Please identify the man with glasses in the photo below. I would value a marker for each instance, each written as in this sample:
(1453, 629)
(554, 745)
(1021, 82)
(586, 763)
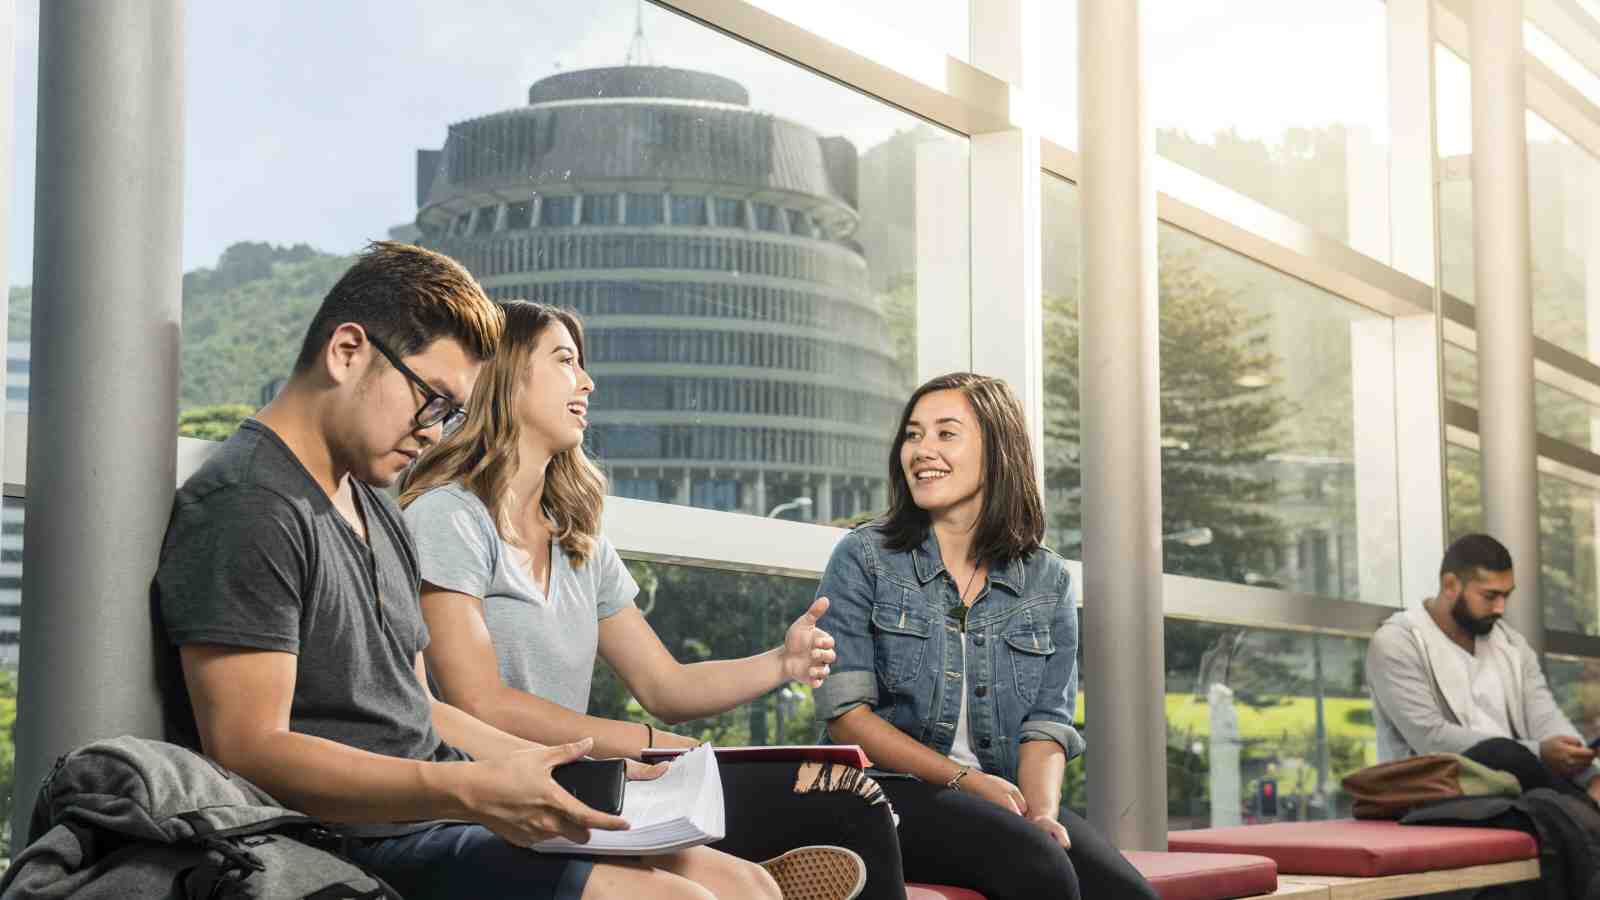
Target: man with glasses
(437, 409)
(287, 593)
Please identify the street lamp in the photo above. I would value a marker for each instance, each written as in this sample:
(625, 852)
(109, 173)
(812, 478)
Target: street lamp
(796, 503)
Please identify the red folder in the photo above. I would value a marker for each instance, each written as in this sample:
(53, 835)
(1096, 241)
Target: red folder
(843, 754)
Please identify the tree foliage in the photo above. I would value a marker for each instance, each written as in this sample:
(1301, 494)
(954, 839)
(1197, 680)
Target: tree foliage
(1216, 434)
(213, 423)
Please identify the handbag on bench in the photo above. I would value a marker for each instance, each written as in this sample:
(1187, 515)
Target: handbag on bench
(1392, 789)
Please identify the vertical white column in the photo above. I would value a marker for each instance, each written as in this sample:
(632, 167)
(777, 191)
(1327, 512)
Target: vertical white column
(108, 279)
(1007, 310)
(1121, 425)
(1366, 177)
(1419, 425)
(1506, 430)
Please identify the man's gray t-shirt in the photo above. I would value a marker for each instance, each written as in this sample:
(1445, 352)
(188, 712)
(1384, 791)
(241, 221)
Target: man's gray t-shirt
(544, 645)
(257, 556)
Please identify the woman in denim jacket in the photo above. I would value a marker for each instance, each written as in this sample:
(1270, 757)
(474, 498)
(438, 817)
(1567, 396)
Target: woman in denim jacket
(957, 639)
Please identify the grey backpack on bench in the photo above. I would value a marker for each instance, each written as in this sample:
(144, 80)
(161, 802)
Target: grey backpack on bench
(128, 818)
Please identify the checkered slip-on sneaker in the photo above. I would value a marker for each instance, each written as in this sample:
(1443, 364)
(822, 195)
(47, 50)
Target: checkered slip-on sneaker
(818, 873)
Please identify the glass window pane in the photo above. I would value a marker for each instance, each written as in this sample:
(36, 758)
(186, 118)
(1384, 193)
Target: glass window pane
(1058, 71)
(499, 162)
(1567, 570)
(1453, 123)
(1286, 103)
(557, 212)
(1263, 482)
(1248, 708)
(1465, 491)
(1562, 62)
(645, 209)
(703, 614)
(1062, 235)
(688, 209)
(1261, 472)
(730, 213)
(599, 209)
(1564, 238)
(519, 216)
(11, 523)
(1572, 681)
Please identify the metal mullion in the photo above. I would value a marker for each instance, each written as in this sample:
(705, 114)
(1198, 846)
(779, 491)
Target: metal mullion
(958, 95)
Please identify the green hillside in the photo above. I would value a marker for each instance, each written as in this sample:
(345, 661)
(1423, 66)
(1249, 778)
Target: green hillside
(243, 320)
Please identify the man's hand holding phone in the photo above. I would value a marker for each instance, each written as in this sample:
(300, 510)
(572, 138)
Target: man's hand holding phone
(1565, 754)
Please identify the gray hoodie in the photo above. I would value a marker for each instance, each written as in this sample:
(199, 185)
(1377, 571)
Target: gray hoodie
(1421, 690)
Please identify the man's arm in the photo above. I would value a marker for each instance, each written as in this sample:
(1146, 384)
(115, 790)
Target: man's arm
(460, 728)
(1402, 688)
(242, 700)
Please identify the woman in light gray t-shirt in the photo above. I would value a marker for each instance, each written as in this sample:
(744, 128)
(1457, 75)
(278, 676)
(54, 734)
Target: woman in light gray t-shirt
(545, 637)
(521, 593)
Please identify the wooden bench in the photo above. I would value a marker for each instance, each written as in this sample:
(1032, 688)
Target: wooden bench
(1371, 860)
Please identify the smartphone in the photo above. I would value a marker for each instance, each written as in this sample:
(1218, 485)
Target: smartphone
(597, 783)
(1595, 745)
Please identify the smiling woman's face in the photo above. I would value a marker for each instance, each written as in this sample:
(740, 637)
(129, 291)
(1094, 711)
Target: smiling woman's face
(553, 401)
(942, 454)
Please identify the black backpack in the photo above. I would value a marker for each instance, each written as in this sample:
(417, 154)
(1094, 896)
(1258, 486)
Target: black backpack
(129, 818)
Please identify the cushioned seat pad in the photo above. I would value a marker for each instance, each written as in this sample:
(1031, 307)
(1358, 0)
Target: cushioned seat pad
(939, 892)
(1205, 876)
(1364, 849)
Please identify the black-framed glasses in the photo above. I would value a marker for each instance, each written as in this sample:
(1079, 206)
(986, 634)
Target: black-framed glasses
(436, 407)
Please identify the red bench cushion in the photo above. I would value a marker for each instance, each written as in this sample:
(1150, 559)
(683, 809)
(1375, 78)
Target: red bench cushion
(1205, 876)
(939, 892)
(1365, 849)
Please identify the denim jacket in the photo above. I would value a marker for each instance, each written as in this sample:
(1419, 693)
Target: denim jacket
(901, 655)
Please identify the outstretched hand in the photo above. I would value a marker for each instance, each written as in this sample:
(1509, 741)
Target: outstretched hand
(807, 649)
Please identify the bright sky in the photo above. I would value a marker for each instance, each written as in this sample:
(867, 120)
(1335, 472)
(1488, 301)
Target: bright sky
(304, 115)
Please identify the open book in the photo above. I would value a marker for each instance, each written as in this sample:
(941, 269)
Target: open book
(681, 809)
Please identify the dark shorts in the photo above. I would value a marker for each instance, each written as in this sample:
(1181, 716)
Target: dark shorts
(454, 860)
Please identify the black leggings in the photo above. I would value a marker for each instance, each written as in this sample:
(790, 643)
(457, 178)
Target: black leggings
(947, 837)
(1507, 755)
(766, 817)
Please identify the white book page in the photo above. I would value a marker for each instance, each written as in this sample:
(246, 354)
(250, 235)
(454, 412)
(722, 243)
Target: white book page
(683, 808)
(674, 795)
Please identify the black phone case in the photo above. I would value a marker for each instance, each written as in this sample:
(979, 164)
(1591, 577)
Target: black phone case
(597, 783)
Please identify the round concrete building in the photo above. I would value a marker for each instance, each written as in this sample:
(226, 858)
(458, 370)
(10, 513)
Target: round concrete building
(740, 360)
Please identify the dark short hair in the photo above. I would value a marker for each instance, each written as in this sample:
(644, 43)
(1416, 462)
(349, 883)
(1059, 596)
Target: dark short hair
(407, 297)
(1011, 523)
(1472, 554)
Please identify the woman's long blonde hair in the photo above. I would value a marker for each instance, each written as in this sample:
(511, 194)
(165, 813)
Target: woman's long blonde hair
(482, 454)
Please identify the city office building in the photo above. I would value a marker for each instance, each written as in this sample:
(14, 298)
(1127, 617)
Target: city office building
(740, 360)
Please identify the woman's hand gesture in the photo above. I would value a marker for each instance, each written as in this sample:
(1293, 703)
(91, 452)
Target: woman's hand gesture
(807, 649)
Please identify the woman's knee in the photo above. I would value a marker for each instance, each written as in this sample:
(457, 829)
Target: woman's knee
(723, 876)
(1035, 864)
(631, 881)
(752, 881)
